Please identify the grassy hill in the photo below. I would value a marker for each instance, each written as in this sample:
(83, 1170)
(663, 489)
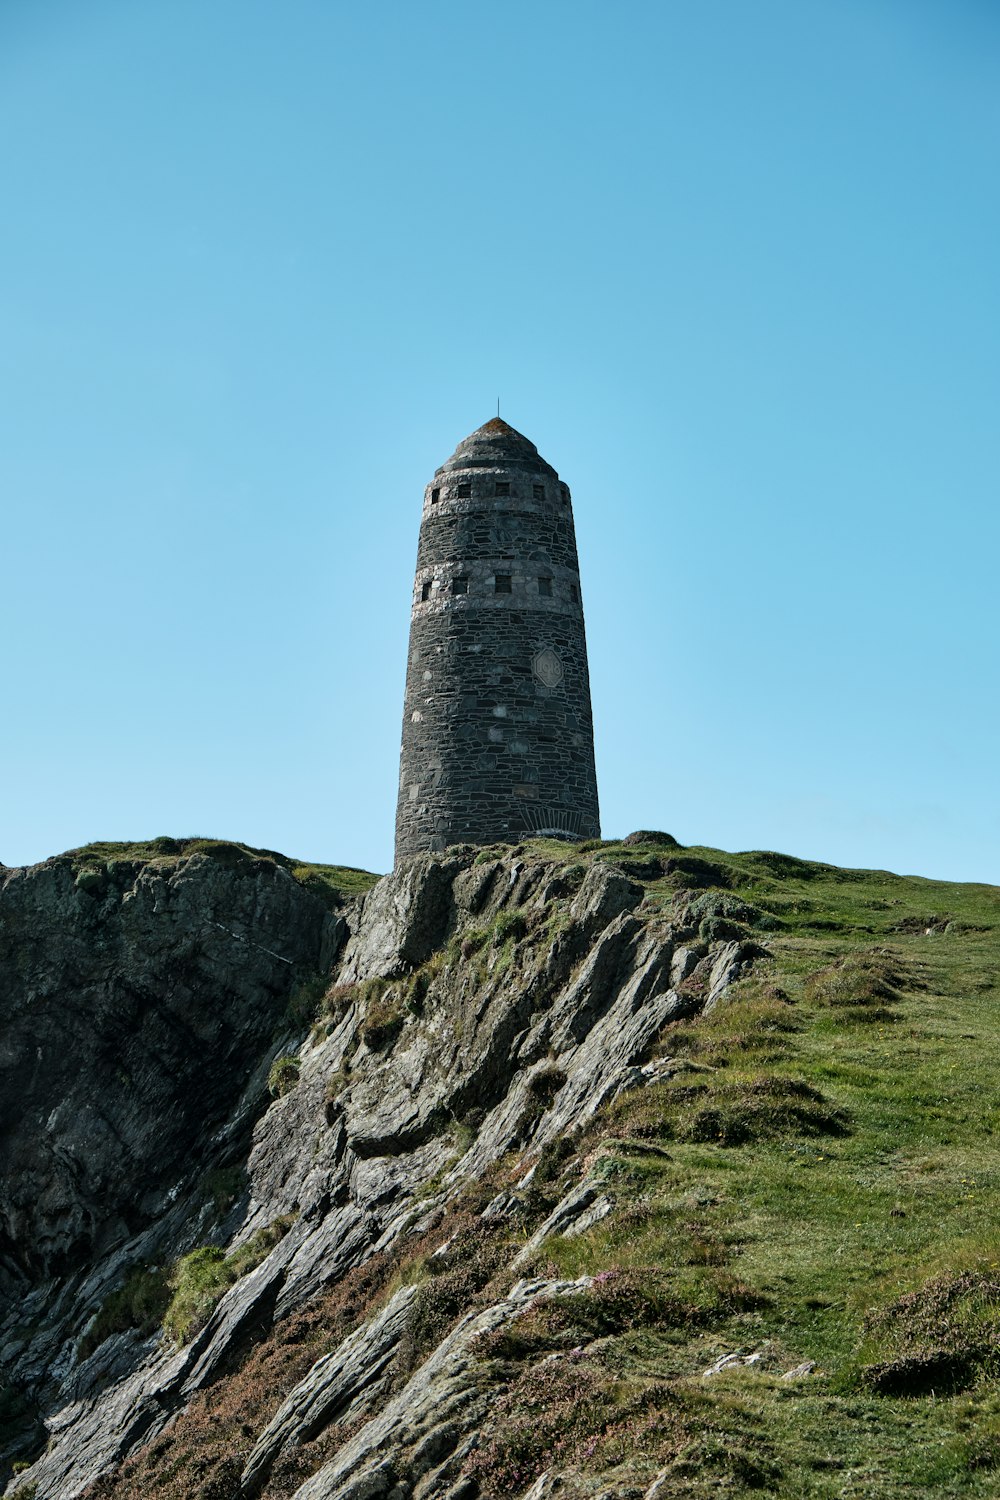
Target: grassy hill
(805, 1202)
(825, 1190)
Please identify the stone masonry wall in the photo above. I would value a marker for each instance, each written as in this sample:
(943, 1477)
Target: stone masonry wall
(497, 728)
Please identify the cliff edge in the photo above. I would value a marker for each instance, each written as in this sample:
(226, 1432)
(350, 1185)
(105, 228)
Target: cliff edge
(448, 1187)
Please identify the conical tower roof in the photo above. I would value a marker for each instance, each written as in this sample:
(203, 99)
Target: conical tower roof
(497, 445)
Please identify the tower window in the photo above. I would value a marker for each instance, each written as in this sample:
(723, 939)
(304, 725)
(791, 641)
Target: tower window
(574, 593)
(502, 487)
(464, 490)
(460, 585)
(425, 592)
(565, 495)
(545, 587)
(501, 583)
(538, 492)
(435, 496)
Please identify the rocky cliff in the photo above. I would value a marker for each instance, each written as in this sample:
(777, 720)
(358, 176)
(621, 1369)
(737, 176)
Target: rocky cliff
(472, 1011)
(619, 1170)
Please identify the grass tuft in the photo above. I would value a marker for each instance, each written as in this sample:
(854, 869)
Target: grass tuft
(385, 1013)
(283, 1075)
(939, 1338)
(140, 1303)
(199, 1280)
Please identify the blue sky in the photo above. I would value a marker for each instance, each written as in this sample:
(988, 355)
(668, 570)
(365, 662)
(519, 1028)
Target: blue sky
(732, 267)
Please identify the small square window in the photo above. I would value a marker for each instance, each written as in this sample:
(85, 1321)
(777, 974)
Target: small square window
(538, 492)
(464, 490)
(502, 487)
(435, 496)
(574, 593)
(501, 583)
(545, 587)
(425, 592)
(460, 585)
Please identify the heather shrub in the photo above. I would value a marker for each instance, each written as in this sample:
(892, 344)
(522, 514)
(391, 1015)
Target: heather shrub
(383, 1021)
(939, 1338)
(451, 1286)
(569, 1411)
(616, 1300)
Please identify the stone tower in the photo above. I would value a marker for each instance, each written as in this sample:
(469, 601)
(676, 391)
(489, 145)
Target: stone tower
(498, 741)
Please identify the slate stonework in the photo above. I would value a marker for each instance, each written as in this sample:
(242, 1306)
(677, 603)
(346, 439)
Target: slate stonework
(498, 740)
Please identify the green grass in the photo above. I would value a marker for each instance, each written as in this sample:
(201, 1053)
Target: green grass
(200, 1279)
(335, 880)
(93, 862)
(283, 1075)
(827, 1147)
(140, 1302)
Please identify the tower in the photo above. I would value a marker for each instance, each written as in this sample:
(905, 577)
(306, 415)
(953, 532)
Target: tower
(498, 741)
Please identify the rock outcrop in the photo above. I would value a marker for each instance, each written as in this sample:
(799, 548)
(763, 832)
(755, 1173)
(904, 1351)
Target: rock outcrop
(479, 1010)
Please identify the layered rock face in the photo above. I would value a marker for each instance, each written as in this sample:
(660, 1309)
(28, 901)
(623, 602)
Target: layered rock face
(478, 1012)
(135, 999)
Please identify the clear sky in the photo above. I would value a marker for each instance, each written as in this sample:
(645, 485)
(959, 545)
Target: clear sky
(735, 268)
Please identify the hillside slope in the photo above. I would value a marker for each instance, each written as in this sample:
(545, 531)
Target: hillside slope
(622, 1170)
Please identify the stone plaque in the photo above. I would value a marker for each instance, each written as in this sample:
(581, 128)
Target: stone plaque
(548, 668)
